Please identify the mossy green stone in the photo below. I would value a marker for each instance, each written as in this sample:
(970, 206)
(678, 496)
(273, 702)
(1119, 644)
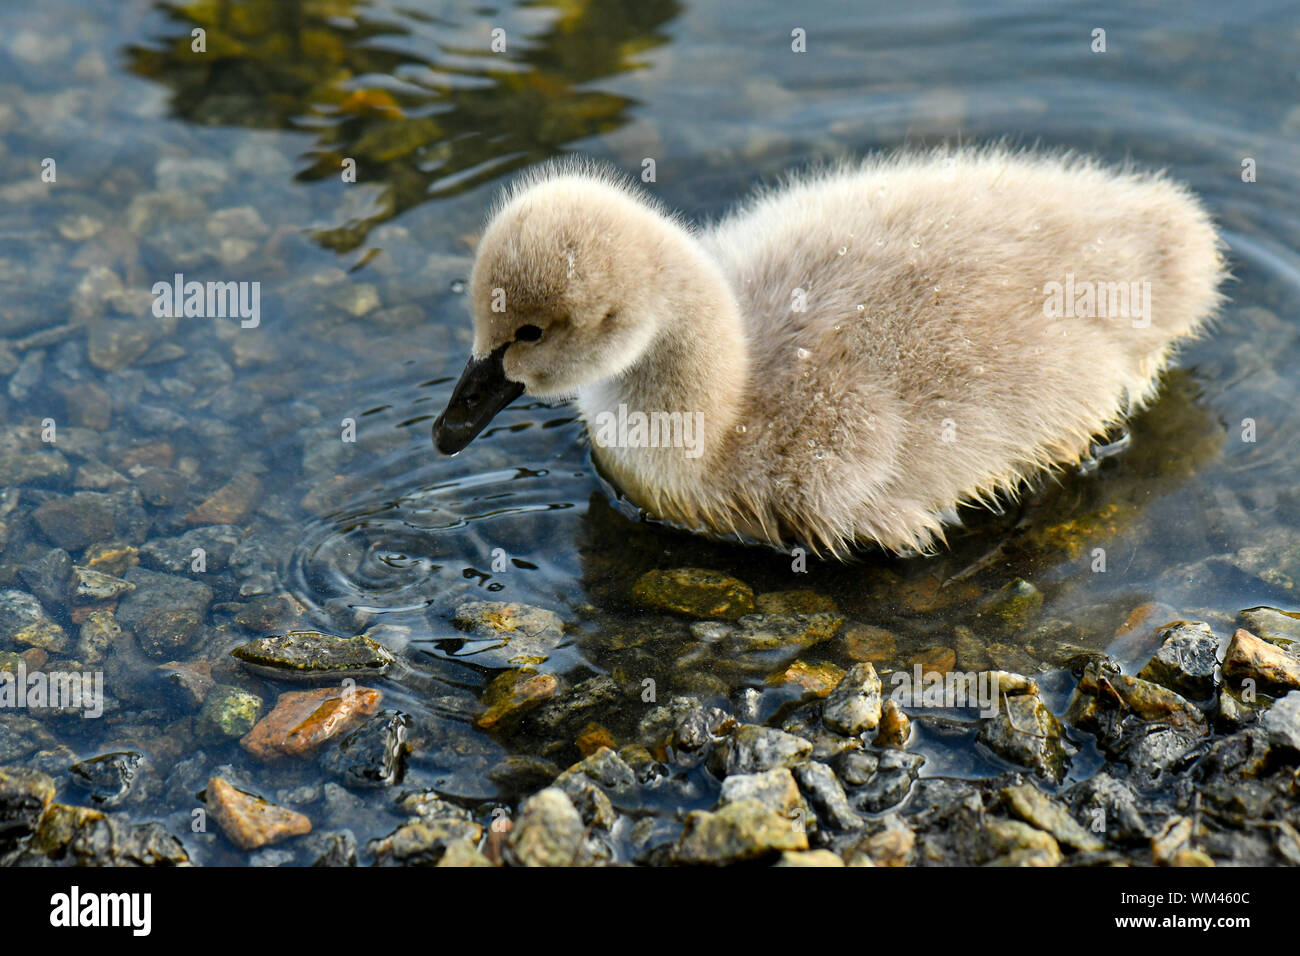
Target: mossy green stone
(1015, 605)
(696, 593)
(228, 712)
(307, 655)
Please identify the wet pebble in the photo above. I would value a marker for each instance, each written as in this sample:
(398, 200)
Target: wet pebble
(227, 712)
(809, 858)
(1038, 809)
(24, 621)
(511, 694)
(249, 821)
(696, 732)
(1109, 805)
(190, 682)
(99, 634)
(89, 585)
(775, 789)
(854, 705)
(1014, 606)
(107, 778)
(1282, 722)
(74, 521)
(745, 830)
(753, 749)
(1272, 624)
(48, 577)
(24, 796)
(338, 848)
(889, 784)
(1018, 844)
(818, 679)
(504, 634)
(303, 721)
(863, 642)
(794, 602)
(823, 790)
(895, 726)
(696, 593)
(1101, 689)
(373, 755)
(548, 832)
(1248, 657)
(229, 504)
(892, 846)
(89, 838)
(759, 634)
(210, 544)
(313, 655)
(26, 380)
(1186, 660)
(164, 611)
(1025, 732)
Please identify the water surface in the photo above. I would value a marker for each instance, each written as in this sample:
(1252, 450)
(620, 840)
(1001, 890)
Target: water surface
(225, 166)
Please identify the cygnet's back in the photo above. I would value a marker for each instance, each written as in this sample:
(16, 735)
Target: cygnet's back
(926, 330)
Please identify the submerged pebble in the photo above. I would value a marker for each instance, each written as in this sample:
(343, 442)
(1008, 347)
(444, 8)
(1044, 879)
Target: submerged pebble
(249, 821)
(312, 655)
(695, 593)
(303, 721)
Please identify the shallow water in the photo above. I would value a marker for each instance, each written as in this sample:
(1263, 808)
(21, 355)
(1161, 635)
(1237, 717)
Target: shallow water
(363, 318)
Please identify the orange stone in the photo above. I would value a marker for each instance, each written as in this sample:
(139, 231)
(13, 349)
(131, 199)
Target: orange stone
(513, 692)
(593, 737)
(35, 658)
(379, 101)
(303, 721)
(863, 642)
(818, 679)
(250, 822)
(940, 660)
(158, 454)
(231, 503)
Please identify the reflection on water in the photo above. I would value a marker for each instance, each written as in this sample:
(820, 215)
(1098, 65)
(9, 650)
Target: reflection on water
(438, 114)
(226, 165)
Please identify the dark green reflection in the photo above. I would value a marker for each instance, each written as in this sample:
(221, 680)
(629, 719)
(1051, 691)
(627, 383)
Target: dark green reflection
(423, 127)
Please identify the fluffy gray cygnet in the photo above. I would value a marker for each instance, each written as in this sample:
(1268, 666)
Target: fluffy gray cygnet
(850, 354)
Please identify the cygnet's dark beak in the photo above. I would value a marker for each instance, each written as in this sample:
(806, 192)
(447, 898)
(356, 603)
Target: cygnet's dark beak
(483, 390)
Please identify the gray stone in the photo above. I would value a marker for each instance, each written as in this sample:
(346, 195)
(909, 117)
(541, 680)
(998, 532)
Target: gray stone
(75, 521)
(820, 785)
(890, 784)
(89, 585)
(774, 788)
(164, 611)
(1025, 732)
(24, 621)
(549, 831)
(48, 577)
(1186, 659)
(753, 749)
(854, 705)
(1282, 722)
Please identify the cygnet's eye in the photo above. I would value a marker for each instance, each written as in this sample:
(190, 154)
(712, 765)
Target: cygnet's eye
(527, 333)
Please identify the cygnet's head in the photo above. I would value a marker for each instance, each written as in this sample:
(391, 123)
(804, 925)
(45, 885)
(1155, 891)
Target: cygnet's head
(563, 295)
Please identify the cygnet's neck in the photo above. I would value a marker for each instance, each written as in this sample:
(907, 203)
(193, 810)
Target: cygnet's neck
(696, 365)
